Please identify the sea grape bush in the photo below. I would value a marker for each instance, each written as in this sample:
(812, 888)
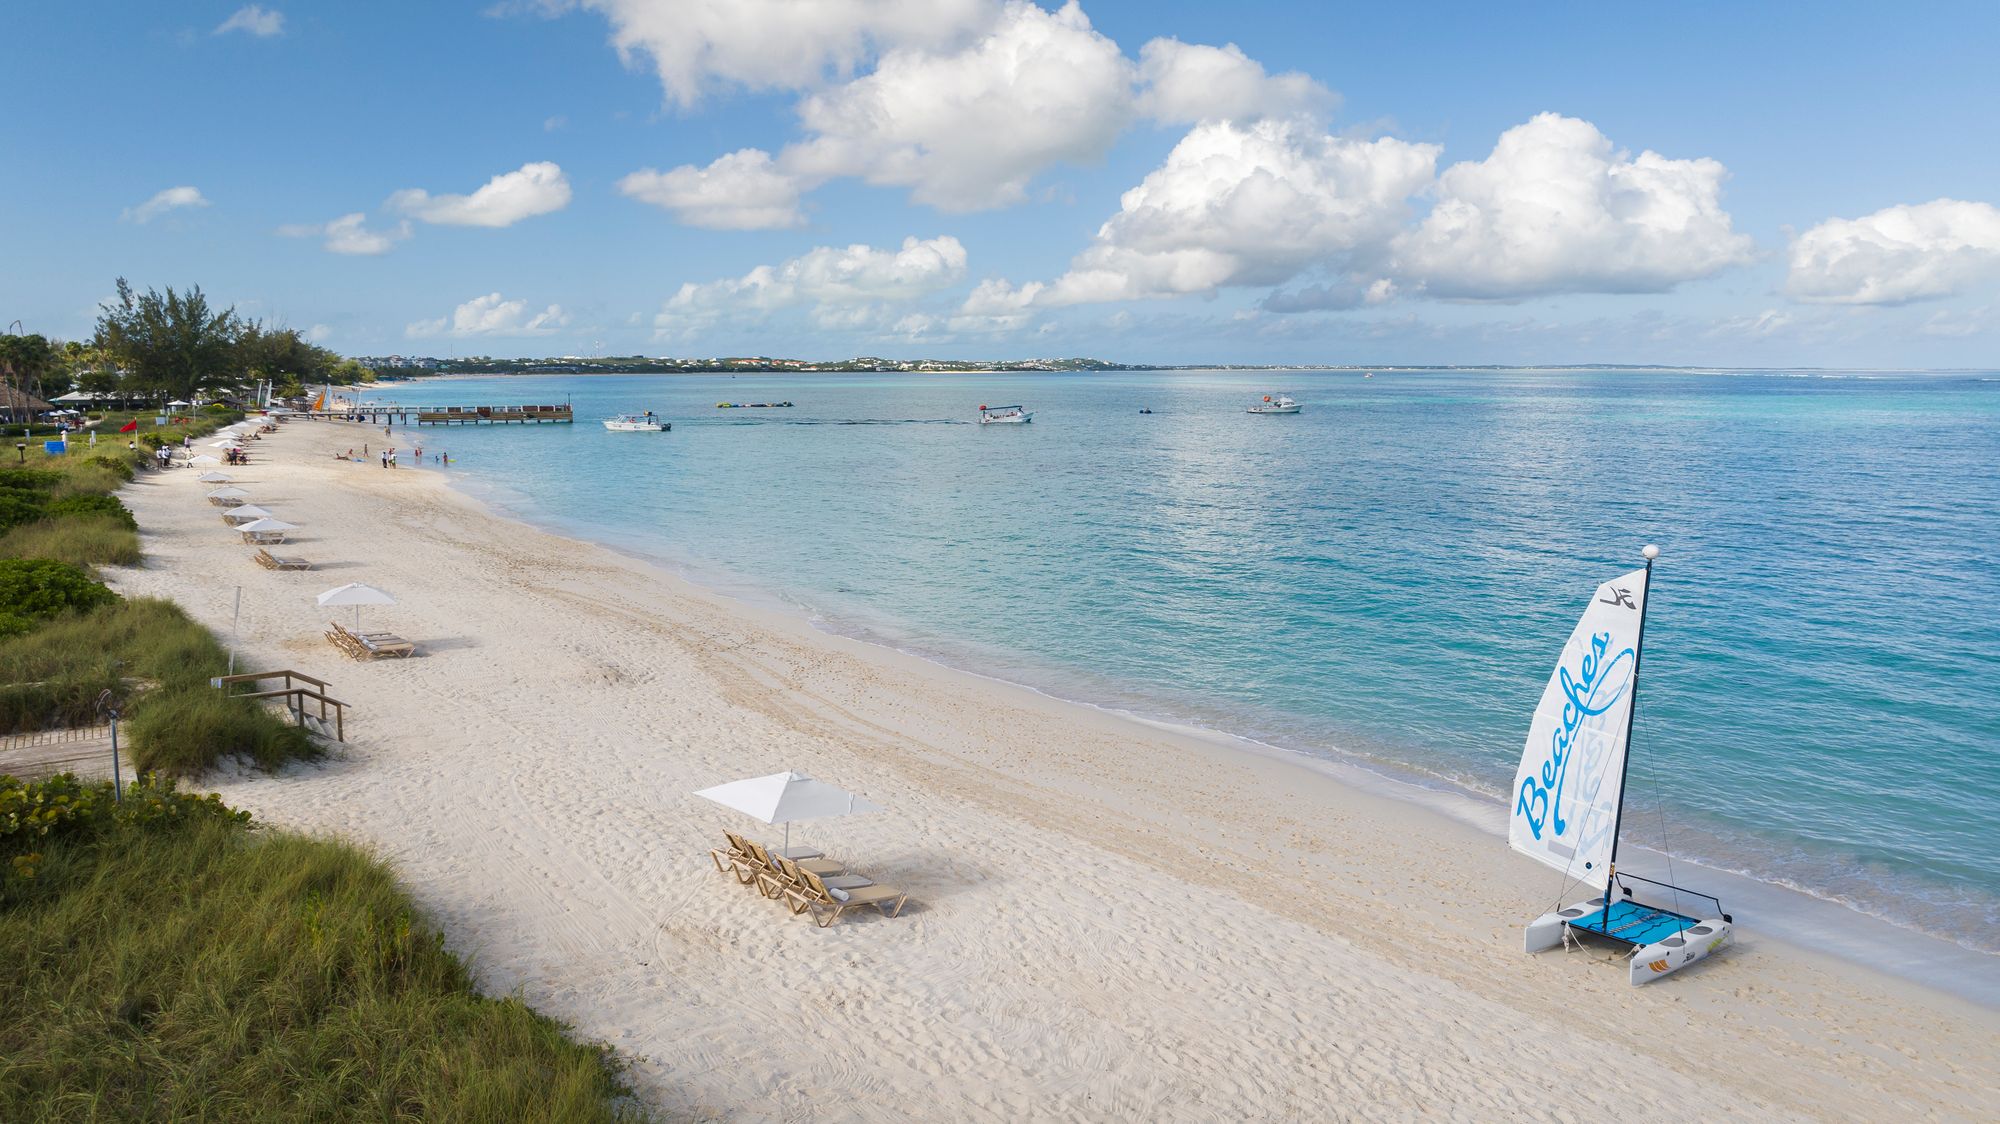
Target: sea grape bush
(34, 589)
(35, 813)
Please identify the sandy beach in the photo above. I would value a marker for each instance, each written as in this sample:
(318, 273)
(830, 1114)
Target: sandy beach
(1108, 920)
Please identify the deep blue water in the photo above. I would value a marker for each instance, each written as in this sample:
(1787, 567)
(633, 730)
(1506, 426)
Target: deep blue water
(1389, 574)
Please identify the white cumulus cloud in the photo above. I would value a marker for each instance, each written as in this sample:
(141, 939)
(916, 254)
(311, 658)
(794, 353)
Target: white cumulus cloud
(1182, 83)
(164, 201)
(1240, 204)
(253, 20)
(492, 315)
(1897, 255)
(741, 191)
(1556, 209)
(698, 45)
(533, 189)
(824, 278)
(967, 129)
(349, 234)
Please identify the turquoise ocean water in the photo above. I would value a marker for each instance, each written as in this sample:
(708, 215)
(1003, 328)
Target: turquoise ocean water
(1388, 575)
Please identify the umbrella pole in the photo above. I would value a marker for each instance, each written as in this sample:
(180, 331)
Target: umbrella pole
(788, 839)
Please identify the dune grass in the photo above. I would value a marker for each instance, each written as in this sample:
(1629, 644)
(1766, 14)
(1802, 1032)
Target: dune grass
(149, 653)
(187, 966)
(80, 540)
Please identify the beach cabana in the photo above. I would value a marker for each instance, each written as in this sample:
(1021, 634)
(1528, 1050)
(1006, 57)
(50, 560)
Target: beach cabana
(203, 461)
(244, 513)
(216, 478)
(227, 497)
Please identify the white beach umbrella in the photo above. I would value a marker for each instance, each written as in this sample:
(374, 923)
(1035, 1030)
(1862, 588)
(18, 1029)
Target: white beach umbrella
(216, 478)
(227, 493)
(178, 402)
(225, 443)
(357, 595)
(204, 459)
(266, 524)
(245, 512)
(784, 797)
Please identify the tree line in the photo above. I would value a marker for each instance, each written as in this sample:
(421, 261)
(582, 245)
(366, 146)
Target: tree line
(159, 346)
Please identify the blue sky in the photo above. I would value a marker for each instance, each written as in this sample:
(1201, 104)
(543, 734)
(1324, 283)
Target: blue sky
(1785, 185)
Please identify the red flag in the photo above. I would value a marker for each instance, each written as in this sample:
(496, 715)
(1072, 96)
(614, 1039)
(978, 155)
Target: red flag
(130, 426)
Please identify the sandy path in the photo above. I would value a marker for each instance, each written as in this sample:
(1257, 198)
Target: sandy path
(1109, 921)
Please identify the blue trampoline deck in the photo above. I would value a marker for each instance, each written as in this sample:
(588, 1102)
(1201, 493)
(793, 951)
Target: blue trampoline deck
(1633, 923)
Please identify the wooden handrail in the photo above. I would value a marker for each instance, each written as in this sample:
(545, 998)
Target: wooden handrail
(297, 696)
(257, 676)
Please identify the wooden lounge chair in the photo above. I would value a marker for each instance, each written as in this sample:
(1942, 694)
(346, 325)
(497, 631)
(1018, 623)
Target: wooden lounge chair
(827, 903)
(795, 883)
(368, 645)
(272, 562)
(737, 859)
(771, 878)
(264, 538)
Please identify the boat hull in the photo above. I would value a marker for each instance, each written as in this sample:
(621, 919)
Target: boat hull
(638, 427)
(1274, 409)
(1694, 940)
(1021, 420)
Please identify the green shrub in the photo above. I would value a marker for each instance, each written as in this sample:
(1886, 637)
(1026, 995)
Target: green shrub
(18, 507)
(118, 465)
(94, 504)
(29, 479)
(80, 540)
(167, 961)
(39, 588)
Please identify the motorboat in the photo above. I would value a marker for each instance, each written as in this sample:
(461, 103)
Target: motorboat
(1004, 415)
(647, 422)
(1276, 404)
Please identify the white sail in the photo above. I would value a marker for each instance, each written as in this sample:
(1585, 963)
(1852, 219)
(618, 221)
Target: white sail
(1567, 790)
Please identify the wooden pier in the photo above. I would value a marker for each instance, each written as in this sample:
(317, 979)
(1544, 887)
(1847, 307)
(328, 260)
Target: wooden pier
(451, 415)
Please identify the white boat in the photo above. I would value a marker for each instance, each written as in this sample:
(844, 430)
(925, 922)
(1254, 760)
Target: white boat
(1280, 404)
(1004, 415)
(1569, 796)
(647, 422)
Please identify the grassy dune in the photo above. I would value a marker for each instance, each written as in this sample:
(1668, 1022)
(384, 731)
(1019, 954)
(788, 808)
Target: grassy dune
(171, 962)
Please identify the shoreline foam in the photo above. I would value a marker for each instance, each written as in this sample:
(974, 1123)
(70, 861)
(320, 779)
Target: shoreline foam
(1112, 920)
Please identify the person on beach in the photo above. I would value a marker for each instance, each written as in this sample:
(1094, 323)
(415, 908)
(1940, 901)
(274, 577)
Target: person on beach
(392, 458)
(385, 458)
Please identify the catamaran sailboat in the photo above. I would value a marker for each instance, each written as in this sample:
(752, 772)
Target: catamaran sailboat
(638, 423)
(1282, 404)
(1004, 415)
(1569, 795)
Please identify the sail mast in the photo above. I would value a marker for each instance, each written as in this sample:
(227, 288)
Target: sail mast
(1631, 716)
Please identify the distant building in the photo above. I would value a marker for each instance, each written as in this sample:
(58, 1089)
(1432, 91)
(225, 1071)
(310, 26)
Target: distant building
(15, 402)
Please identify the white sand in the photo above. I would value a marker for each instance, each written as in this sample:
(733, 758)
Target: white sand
(1109, 921)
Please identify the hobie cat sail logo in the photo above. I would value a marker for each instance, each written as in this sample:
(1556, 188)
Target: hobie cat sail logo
(1595, 687)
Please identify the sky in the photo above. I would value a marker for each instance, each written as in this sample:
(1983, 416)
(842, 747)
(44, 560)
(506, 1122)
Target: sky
(1176, 182)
